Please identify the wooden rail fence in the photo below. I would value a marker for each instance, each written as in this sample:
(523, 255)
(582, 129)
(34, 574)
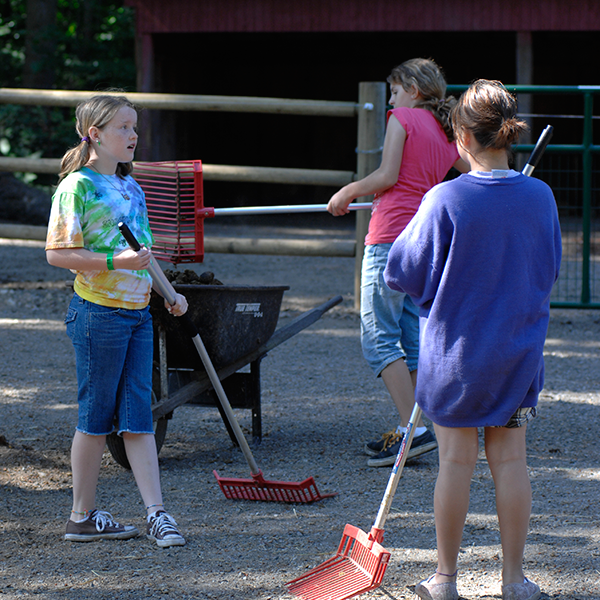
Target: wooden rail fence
(369, 111)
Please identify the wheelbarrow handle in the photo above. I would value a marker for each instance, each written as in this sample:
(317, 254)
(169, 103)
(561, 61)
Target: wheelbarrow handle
(168, 292)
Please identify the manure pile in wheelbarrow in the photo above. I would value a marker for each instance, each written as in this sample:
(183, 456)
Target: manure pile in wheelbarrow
(189, 277)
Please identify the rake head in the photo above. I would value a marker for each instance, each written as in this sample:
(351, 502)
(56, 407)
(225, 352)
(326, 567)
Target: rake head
(357, 567)
(258, 488)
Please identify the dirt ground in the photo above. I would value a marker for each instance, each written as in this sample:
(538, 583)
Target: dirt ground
(320, 403)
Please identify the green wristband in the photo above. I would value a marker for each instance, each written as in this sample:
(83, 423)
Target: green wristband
(109, 261)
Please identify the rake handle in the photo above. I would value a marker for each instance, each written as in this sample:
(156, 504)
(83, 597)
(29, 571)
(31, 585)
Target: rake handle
(209, 212)
(538, 150)
(168, 291)
(396, 473)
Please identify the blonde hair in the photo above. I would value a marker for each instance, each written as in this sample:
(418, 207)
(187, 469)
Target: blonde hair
(489, 112)
(428, 79)
(95, 112)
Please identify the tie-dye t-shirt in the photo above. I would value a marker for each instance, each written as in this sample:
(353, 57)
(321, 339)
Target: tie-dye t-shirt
(86, 210)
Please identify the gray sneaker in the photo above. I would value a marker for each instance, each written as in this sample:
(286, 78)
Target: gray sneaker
(162, 528)
(99, 525)
(420, 445)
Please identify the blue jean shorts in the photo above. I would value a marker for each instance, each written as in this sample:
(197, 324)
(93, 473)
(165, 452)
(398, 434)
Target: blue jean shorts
(389, 319)
(113, 353)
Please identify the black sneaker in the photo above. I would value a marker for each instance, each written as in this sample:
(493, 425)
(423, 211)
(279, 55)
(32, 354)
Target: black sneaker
(420, 445)
(99, 526)
(387, 439)
(162, 528)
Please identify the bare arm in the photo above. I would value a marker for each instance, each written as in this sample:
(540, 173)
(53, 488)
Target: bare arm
(381, 179)
(80, 259)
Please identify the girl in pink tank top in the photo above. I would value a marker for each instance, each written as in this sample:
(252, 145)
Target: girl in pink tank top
(418, 152)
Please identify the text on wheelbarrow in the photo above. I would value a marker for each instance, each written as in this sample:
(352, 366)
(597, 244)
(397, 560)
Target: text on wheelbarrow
(249, 308)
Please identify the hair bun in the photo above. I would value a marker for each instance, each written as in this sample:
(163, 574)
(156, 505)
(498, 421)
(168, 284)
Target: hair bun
(509, 132)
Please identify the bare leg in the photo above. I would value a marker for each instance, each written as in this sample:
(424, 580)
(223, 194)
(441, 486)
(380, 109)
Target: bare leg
(86, 457)
(400, 383)
(506, 454)
(141, 452)
(458, 450)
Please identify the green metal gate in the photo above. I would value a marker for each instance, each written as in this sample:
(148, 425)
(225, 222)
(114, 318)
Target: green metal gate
(572, 171)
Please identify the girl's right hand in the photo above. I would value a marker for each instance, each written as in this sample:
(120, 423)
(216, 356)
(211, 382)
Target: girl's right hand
(338, 204)
(131, 260)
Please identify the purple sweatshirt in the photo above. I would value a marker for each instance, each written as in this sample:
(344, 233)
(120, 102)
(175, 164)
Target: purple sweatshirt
(480, 258)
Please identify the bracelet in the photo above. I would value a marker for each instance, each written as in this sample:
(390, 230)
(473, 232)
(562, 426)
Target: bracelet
(109, 261)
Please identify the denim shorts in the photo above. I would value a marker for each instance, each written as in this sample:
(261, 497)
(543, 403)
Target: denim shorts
(389, 319)
(113, 353)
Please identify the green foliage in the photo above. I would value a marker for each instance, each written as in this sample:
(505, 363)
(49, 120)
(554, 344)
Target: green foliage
(94, 51)
(12, 42)
(96, 45)
(94, 39)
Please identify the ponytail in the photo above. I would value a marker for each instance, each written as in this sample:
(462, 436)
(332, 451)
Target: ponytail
(74, 159)
(441, 109)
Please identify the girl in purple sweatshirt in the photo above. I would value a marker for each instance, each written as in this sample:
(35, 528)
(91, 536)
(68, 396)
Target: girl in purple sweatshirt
(479, 259)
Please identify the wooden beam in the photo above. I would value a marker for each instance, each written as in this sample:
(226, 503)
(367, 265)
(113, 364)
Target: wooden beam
(323, 108)
(210, 172)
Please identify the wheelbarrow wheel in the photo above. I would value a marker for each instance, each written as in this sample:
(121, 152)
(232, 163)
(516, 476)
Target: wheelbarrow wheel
(116, 445)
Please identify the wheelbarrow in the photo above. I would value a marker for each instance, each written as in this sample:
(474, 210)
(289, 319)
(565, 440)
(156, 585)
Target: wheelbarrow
(238, 326)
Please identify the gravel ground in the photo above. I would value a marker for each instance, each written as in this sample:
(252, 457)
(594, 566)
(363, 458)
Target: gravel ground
(320, 403)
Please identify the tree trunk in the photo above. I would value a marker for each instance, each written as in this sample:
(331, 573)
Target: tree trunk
(40, 45)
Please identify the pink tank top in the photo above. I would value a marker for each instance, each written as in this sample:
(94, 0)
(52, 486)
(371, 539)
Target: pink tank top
(426, 159)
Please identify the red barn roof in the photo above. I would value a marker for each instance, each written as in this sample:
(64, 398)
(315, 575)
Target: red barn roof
(190, 16)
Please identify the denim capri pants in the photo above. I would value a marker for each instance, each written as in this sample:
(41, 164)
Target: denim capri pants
(389, 319)
(113, 353)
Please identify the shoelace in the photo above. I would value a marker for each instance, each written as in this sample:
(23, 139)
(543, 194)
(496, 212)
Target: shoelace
(102, 519)
(163, 525)
(390, 438)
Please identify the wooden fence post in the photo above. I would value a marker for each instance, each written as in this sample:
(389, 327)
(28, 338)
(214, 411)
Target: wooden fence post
(371, 133)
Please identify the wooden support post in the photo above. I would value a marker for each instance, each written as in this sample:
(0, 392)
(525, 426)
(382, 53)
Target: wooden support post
(524, 77)
(144, 55)
(371, 133)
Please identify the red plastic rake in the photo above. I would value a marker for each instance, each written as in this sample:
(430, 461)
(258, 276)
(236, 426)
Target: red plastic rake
(258, 488)
(360, 561)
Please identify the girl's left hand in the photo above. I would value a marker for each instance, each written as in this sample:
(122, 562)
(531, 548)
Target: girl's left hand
(179, 308)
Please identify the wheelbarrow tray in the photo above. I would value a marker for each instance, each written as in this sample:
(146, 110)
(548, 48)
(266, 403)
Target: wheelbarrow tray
(232, 320)
(202, 382)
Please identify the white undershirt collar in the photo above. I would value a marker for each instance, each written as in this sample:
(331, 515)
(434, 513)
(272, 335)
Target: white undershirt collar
(495, 174)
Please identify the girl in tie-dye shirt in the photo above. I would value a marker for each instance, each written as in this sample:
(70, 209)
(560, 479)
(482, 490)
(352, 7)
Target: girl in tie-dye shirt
(108, 319)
